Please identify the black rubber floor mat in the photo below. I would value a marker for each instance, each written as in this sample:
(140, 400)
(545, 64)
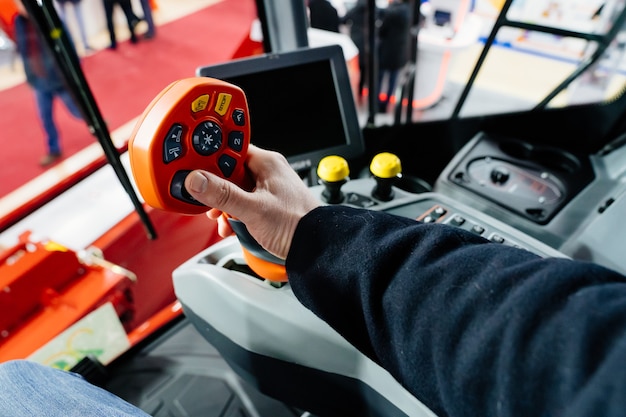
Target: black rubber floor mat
(181, 374)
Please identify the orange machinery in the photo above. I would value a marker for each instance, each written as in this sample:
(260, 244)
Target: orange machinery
(45, 288)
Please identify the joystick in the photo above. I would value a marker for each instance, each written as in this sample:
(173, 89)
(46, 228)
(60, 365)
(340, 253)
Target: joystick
(386, 168)
(333, 172)
(197, 123)
(194, 123)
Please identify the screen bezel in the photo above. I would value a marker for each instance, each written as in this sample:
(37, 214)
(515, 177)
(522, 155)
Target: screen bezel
(333, 54)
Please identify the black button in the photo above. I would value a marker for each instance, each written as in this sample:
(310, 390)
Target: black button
(500, 175)
(497, 238)
(235, 140)
(438, 212)
(173, 146)
(239, 117)
(227, 165)
(359, 200)
(479, 230)
(457, 220)
(178, 190)
(207, 138)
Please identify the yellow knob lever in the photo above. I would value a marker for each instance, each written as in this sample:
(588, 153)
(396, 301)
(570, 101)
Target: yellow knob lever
(333, 168)
(386, 168)
(386, 165)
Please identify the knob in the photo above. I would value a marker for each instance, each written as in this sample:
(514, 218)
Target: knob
(500, 175)
(386, 168)
(333, 172)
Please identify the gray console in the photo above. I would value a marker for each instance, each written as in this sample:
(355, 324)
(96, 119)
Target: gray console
(573, 204)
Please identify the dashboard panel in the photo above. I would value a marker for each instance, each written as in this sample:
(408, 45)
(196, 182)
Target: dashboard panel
(571, 203)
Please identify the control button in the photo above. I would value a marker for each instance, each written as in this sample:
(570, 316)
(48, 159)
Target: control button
(479, 230)
(222, 103)
(200, 103)
(500, 175)
(235, 140)
(207, 138)
(172, 146)
(457, 220)
(438, 212)
(497, 238)
(227, 165)
(428, 219)
(359, 200)
(239, 117)
(178, 190)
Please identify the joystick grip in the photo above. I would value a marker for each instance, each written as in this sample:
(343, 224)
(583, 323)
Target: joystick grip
(194, 123)
(258, 259)
(386, 168)
(197, 123)
(333, 172)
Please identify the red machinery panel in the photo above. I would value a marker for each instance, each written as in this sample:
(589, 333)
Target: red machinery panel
(45, 288)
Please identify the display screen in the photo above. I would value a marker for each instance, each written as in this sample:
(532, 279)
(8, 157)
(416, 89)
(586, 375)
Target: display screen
(301, 103)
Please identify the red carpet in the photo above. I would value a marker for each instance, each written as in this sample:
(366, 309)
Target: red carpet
(123, 82)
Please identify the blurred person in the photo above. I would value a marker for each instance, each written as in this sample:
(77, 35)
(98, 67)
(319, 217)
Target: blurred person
(146, 5)
(323, 15)
(356, 21)
(80, 20)
(393, 52)
(44, 78)
(131, 19)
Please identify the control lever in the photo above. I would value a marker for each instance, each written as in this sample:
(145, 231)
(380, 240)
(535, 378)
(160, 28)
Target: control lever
(386, 169)
(333, 172)
(197, 123)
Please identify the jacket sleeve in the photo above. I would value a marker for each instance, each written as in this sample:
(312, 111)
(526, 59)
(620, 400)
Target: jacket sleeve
(470, 327)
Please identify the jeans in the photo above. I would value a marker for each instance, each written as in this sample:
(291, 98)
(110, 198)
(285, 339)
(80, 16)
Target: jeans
(29, 389)
(45, 100)
(147, 15)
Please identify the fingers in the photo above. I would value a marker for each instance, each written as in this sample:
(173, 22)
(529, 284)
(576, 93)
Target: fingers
(216, 192)
(260, 161)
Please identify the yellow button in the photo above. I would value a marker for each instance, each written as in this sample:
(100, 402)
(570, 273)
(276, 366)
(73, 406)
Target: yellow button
(200, 103)
(223, 101)
(333, 168)
(386, 165)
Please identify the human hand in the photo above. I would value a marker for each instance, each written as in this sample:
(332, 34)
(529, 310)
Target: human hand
(271, 211)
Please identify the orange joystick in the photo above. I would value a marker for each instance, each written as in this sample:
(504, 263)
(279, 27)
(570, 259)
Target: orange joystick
(196, 123)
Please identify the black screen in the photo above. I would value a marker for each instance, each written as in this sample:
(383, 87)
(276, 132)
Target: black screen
(301, 103)
(294, 110)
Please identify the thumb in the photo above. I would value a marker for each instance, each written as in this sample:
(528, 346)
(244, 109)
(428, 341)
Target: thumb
(216, 192)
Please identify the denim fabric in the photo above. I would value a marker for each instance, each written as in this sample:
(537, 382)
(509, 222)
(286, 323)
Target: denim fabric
(29, 389)
(147, 15)
(45, 101)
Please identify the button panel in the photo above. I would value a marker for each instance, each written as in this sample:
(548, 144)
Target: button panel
(441, 214)
(194, 123)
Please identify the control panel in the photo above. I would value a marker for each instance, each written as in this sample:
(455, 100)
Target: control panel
(572, 203)
(378, 193)
(533, 181)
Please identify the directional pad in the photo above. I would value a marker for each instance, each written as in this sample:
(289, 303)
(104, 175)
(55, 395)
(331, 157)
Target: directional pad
(207, 138)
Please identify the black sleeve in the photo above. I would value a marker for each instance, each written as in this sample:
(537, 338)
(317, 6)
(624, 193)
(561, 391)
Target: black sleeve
(470, 327)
